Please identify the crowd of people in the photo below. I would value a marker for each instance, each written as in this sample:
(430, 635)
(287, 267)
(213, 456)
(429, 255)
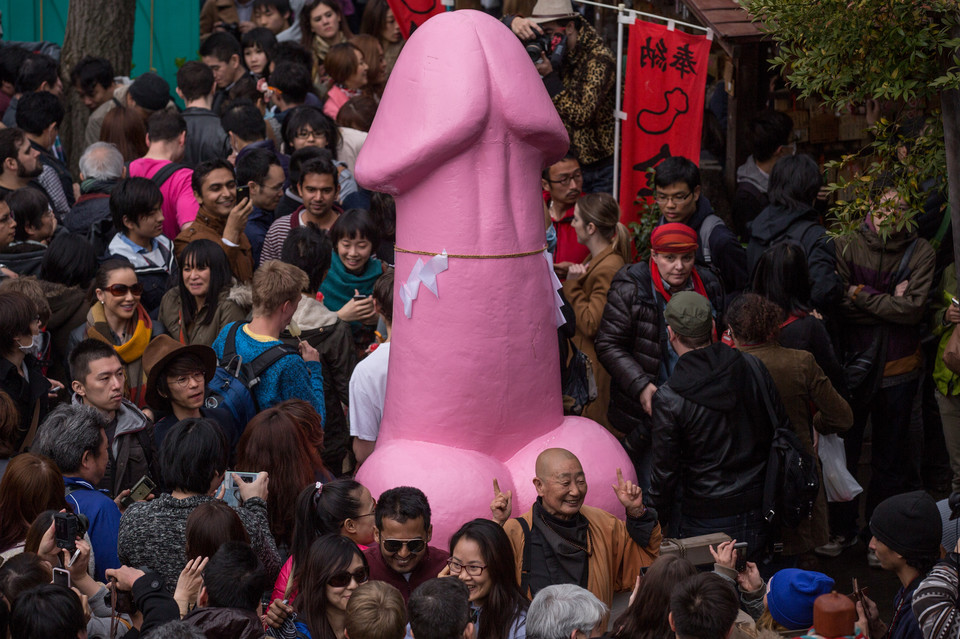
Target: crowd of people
(195, 345)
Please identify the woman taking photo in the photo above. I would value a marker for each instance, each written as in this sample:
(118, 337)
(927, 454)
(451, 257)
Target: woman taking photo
(482, 558)
(118, 319)
(322, 25)
(348, 75)
(275, 442)
(193, 459)
(21, 376)
(333, 569)
(196, 310)
(596, 220)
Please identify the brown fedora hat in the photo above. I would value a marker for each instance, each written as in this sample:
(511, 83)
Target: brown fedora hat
(160, 352)
(550, 10)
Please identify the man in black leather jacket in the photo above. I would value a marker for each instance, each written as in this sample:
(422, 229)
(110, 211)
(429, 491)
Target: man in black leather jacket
(712, 429)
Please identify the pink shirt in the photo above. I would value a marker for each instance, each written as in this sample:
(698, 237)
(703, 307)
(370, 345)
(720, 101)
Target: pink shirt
(179, 205)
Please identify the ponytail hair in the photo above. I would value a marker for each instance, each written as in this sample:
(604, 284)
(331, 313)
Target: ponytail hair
(621, 243)
(602, 210)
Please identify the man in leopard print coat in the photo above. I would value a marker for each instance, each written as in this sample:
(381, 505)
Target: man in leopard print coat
(582, 89)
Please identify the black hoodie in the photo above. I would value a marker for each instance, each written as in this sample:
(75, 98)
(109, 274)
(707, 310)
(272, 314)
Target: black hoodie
(777, 224)
(711, 427)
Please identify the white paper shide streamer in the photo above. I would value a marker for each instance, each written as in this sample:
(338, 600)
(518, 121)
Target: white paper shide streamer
(425, 273)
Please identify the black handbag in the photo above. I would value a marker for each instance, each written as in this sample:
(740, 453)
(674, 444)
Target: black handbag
(579, 382)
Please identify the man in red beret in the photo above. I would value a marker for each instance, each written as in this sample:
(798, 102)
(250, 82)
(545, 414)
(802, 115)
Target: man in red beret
(632, 342)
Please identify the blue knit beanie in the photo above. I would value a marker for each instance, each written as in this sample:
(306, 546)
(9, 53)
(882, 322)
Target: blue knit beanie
(791, 596)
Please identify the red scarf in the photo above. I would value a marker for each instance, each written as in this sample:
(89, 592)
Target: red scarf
(658, 281)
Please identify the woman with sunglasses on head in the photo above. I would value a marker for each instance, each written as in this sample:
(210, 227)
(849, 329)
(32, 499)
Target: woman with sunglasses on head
(116, 317)
(482, 558)
(204, 300)
(333, 568)
(340, 507)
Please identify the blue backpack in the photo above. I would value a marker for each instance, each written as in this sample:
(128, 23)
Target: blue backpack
(235, 380)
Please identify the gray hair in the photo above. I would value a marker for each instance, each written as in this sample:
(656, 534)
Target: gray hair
(101, 161)
(67, 433)
(558, 610)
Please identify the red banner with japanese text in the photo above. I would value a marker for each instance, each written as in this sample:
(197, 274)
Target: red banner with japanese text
(663, 100)
(410, 14)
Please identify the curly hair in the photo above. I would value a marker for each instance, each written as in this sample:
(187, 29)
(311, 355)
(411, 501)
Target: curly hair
(754, 319)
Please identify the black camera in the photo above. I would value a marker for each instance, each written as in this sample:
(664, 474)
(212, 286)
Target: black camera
(67, 527)
(544, 44)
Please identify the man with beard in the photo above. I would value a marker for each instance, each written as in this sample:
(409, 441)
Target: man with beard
(20, 161)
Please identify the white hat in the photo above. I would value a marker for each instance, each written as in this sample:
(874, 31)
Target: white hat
(550, 10)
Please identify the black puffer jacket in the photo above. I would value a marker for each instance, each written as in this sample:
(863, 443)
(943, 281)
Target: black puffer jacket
(632, 336)
(711, 427)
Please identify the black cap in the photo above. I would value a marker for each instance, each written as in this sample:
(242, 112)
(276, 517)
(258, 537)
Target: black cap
(909, 524)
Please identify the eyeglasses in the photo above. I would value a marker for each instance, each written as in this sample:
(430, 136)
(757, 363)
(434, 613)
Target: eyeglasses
(472, 570)
(413, 545)
(183, 380)
(306, 134)
(676, 197)
(567, 179)
(119, 290)
(343, 579)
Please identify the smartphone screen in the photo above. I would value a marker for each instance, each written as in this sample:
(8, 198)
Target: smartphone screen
(139, 491)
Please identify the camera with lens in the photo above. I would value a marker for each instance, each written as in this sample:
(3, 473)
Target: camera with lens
(67, 527)
(232, 28)
(544, 44)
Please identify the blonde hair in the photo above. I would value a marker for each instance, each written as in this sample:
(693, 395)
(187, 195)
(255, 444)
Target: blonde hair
(376, 611)
(274, 283)
(601, 210)
(767, 622)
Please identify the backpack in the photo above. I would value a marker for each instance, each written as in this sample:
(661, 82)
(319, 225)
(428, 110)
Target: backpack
(792, 482)
(710, 222)
(235, 380)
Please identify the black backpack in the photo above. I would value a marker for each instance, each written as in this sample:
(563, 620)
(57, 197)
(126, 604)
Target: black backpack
(793, 480)
(235, 380)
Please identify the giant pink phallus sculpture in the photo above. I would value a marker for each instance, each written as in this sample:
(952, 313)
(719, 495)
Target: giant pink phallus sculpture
(461, 135)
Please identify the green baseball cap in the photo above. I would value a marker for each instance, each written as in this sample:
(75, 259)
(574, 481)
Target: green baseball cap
(689, 314)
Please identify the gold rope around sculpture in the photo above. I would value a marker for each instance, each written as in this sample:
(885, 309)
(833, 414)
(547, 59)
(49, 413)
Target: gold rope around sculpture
(472, 257)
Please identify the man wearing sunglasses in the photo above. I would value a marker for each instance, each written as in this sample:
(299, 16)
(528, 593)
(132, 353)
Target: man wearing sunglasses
(401, 556)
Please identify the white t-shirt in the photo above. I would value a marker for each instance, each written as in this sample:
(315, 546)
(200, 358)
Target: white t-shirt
(368, 387)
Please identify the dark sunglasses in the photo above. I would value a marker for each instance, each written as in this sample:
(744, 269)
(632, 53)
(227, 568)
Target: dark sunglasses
(119, 290)
(413, 545)
(342, 579)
